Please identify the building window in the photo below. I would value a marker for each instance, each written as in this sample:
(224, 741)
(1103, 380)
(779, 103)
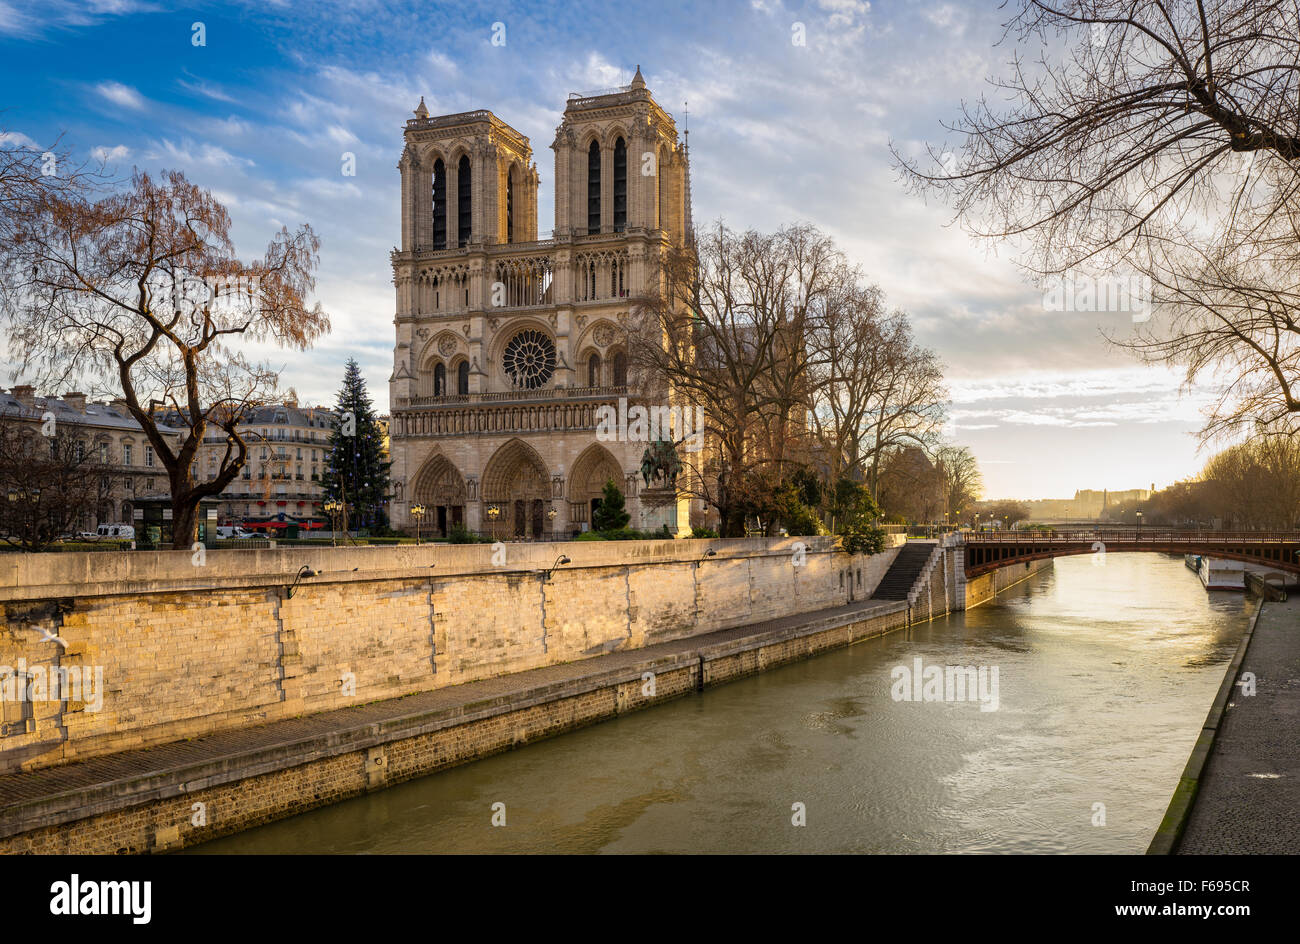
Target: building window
(439, 380)
(510, 206)
(439, 205)
(463, 219)
(148, 455)
(126, 453)
(593, 188)
(620, 186)
(620, 369)
(593, 371)
(529, 359)
(462, 378)
(103, 453)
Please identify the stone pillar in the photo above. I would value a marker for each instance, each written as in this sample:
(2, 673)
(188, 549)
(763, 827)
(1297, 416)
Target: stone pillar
(409, 168)
(486, 178)
(534, 184)
(563, 147)
(453, 203)
(477, 355)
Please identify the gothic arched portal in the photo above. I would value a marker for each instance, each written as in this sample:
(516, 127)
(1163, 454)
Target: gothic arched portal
(594, 468)
(440, 488)
(515, 483)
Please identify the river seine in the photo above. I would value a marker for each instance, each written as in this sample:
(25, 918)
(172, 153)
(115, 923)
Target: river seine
(1105, 669)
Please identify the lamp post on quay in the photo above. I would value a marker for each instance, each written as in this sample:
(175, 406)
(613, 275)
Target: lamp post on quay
(332, 508)
(417, 512)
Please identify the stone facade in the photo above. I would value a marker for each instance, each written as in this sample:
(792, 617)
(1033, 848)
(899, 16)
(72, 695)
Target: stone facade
(113, 440)
(507, 344)
(288, 451)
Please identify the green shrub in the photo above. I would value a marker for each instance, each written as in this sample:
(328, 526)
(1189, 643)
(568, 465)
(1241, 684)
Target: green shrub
(703, 533)
(610, 515)
(864, 540)
(591, 536)
(459, 535)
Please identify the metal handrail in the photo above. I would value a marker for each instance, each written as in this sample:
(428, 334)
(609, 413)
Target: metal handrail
(1132, 535)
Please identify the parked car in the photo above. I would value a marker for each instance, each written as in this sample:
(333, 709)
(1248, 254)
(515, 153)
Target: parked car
(121, 532)
(233, 533)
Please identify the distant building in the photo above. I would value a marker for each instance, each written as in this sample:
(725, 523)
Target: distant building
(288, 447)
(1086, 504)
(114, 441)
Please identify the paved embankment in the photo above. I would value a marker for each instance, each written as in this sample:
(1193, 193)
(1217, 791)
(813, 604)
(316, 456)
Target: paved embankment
(189, 791)
(1248, 796)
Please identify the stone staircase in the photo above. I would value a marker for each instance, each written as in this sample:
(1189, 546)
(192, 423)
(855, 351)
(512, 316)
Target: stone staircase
(907, 568)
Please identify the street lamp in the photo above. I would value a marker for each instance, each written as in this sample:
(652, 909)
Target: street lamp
(417, 512)
(1139, 514)
(493, 513)
(332, 508)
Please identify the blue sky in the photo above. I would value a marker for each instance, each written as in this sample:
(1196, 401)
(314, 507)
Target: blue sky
(263, 113)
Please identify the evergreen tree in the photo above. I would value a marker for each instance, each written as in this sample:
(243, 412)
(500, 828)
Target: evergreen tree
(610, 515)
(355, 469)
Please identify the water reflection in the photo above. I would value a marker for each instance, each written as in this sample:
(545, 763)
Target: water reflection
(1106, 673)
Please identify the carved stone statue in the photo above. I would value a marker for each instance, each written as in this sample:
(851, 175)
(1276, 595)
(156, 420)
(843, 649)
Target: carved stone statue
(659, 461)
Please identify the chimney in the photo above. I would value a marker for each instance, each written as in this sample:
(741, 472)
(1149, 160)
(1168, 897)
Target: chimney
(76, 400)
(26, 395)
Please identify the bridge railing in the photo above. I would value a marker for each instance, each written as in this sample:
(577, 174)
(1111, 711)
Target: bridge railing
(1131, 536)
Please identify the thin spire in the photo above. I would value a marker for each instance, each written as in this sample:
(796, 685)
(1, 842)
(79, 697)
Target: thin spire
(686, 156)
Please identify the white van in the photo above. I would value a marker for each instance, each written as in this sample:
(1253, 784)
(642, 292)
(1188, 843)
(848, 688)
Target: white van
(121, 532)
(233, 532)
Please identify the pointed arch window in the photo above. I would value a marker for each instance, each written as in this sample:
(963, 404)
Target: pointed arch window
(462, 378)
(620, 185)
(439, 204)
(440, 380)
(464, 220)
(593, 188)
(620, 370)
(510, 206)
(593, 371)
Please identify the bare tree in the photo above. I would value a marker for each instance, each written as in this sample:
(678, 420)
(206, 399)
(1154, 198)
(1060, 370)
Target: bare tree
(1008, 512)
(960, 479)
(1256, 484)
(143, 285)
(728, 332)
(47, 483)
(910, 486)
(1162, 139)
(1233, 319)
(1129, 128)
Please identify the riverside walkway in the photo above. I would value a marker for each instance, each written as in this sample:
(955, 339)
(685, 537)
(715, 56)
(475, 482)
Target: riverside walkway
(1248, 799)
(51, 804)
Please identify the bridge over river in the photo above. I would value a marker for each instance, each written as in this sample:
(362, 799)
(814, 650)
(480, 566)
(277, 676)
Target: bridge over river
(986, 551)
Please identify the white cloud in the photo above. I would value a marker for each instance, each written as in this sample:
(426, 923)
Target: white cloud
(207, 90)
(443, 63)
(947, 17)
(120, 94)
(18, 139)
(188, 154)
(108, 155)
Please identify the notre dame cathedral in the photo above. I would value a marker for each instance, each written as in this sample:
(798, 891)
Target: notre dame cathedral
(508, 345)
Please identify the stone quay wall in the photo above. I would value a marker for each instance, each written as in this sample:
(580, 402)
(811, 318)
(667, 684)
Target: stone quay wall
(186, 644)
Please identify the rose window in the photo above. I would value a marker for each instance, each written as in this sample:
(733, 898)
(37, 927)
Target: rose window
(529, 359)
